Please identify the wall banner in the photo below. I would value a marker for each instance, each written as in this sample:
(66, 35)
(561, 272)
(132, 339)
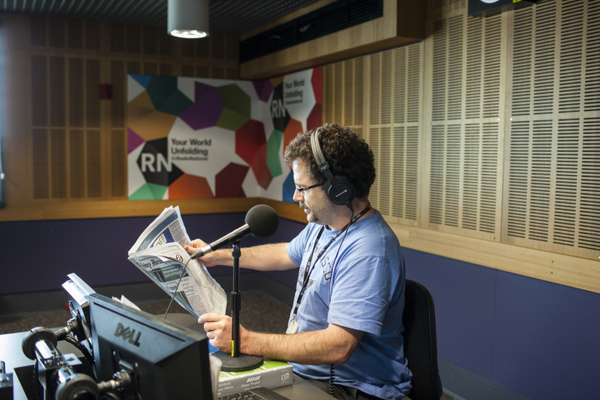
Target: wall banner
(191, 138)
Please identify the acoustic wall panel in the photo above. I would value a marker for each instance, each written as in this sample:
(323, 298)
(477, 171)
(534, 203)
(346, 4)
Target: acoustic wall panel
(41, 167)
(465, 131)
(553, 163)
(78, 133)
(76, 164)
(58, 163)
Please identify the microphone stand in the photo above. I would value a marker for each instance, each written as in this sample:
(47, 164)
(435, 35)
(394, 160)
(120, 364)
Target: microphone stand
(236, 361)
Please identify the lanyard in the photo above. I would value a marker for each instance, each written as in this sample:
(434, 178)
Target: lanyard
(308, 269)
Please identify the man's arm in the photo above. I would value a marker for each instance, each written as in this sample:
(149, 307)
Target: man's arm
(332, 345)
(267, 257)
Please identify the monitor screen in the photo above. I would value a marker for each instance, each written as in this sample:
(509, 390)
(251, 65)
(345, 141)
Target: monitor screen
(165, 361)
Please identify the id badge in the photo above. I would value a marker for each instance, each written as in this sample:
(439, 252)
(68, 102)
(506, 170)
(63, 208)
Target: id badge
(292, 326)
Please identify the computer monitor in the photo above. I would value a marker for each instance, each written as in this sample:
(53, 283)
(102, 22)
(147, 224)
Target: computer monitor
(165, 361)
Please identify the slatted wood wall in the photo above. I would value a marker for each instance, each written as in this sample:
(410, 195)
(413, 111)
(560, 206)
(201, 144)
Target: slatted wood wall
(489, 129)
(79, 140)
(71, 141)
(553, 184)
(387, 86)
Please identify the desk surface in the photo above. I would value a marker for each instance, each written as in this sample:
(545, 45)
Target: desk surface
(11, 354)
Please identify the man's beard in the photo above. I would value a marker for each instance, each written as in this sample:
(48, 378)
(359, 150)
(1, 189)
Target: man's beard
(308, 214)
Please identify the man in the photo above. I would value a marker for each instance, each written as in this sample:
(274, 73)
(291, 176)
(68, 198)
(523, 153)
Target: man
(345, 329)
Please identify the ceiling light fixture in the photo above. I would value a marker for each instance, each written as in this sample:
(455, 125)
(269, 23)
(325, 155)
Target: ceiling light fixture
(187, 19)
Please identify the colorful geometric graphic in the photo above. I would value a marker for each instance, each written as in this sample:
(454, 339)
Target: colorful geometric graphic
(202, 138)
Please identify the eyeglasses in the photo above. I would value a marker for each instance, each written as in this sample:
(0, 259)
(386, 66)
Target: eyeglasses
(301, 190)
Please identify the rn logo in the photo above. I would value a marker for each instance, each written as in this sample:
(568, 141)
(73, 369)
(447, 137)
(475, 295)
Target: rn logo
(154, 162)
(277, 108)
(129, 334)
(279, 114)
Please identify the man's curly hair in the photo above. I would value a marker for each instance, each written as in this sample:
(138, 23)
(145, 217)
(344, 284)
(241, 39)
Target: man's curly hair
(346, 153)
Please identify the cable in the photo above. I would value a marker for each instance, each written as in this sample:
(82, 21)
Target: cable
(345, 233)
(81, 348)
(330, 384)
(183, 271)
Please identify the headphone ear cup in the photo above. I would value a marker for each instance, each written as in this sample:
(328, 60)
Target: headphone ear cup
(340, 190)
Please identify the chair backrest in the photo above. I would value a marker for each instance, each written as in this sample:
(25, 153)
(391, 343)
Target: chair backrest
(420, 342)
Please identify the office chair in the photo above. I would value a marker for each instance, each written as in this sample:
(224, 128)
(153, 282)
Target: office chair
(420, 343)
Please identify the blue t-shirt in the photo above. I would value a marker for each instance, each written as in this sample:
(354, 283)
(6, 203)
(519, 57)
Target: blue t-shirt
(361, 289)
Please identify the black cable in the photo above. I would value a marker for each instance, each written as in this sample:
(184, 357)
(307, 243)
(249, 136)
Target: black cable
(84, 351)
(345, 233)
(183, 270)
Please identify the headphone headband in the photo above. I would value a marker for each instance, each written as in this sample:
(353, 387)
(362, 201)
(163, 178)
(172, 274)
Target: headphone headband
(318, 154)
(339, 189)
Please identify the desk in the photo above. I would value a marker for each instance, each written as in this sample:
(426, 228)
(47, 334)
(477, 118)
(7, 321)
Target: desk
(11, 354)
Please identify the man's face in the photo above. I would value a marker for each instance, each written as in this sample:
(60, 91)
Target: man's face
(309, 193)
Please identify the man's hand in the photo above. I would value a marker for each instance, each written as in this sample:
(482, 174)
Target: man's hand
(211, 259)
(218, 330)
(332, 345)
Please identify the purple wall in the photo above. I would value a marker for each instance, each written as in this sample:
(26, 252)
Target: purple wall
(538, 339)
(37, 255)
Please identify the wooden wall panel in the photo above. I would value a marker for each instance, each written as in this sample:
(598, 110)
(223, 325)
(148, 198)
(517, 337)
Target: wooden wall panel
(150, 68)
(37, 31)
(73, 144)
(92, 101)
(489, 119)
(58, 167)
(39, 91)
(150, 41)
(57, 90)
(75, 92)
(133, 67)
(77, 164)
(93, 164)
(92, 35)
(57, 35)
(75, 34)
(188, 70)
(202, 48)
(41, 164)
(117, 80)
(165, 69)
(133, 39)
(118, 154)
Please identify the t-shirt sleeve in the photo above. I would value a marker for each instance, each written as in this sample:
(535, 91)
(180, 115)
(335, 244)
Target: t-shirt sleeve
(297, 245)
(361, 292)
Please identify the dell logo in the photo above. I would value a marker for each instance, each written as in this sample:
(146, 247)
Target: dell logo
(127, 333)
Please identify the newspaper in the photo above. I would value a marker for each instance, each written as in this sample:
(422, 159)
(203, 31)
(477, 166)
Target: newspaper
(159, 254)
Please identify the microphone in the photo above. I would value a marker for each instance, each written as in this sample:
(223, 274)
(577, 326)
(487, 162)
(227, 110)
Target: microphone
(261, 220)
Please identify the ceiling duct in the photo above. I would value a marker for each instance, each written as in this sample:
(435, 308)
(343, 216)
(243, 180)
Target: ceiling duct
(329, 31)
(326, 20)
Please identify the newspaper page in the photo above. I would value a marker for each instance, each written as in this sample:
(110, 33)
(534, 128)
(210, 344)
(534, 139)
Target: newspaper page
(167, 227)
(160, 255)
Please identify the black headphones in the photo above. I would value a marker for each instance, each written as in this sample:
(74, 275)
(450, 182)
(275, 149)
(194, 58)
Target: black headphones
(339, 189)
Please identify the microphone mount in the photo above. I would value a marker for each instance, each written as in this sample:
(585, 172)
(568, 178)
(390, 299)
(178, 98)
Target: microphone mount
(235, 361)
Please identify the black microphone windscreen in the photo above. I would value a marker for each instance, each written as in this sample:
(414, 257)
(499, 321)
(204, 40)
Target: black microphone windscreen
(262, 220)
